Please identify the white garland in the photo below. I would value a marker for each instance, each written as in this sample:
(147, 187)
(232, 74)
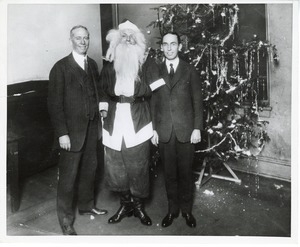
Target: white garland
(231, 29)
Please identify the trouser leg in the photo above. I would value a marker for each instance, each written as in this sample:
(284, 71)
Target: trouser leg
(137, 160)
(115, 171)
(88, 167)
(68, 168)
(128, 169)
(185, 175)
(169, 161)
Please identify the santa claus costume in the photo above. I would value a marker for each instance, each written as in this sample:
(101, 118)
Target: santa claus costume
(127, 81)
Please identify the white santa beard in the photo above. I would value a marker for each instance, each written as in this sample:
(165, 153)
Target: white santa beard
(127, 65)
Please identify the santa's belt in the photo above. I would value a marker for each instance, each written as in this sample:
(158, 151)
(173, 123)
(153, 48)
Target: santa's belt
(125, 99)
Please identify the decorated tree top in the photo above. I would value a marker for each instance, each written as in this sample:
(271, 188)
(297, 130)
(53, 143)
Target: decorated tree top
(234, 82)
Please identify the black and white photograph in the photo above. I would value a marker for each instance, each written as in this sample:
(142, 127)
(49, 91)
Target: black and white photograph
(150, 123)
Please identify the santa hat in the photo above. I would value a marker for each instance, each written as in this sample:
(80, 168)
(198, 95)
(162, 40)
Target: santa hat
(128, 25)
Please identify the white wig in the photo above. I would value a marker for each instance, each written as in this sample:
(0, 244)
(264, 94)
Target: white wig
(114, 38)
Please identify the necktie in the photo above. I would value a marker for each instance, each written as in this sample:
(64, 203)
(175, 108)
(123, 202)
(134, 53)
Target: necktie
(85, 65)
(171, 71)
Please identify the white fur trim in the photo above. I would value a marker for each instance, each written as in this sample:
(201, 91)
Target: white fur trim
(123, 128)
(103, 106)
(128, 25)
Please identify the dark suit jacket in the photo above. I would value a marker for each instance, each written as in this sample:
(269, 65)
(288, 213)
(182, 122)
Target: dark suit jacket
(178, 104)
(68, 100)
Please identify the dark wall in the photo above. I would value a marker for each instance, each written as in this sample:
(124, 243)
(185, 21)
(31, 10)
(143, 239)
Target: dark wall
(106, 14)
(252, 20)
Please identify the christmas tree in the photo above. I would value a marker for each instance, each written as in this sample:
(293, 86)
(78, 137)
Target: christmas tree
(233, 83)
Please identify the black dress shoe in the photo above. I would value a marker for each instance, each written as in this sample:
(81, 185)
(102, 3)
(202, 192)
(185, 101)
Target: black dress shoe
(93, 211)
(139, 211)
(142, 215)
(68, 230)
(123, 211)
(168, 220)
(190, 220)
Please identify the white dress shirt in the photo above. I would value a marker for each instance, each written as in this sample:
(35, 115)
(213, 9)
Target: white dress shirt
(175, 63)
(79, 59)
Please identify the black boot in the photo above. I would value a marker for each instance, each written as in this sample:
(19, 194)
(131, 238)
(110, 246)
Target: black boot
(139, 211)
(126, 209)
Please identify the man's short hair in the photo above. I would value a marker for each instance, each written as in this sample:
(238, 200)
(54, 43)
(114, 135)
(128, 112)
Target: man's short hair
(173, 33)
(76, 27)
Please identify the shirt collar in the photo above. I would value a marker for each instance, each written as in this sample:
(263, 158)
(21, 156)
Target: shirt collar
(79, 58)
(175, 63)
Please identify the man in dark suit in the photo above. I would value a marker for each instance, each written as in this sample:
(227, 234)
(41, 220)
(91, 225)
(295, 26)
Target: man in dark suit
(177, 115)
(73, 107)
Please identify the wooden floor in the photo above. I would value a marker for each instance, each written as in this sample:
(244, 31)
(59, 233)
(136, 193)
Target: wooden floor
(257, 207)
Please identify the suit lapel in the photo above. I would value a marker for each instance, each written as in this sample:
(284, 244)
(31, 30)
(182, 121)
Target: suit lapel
(165, 75)
(92, 71)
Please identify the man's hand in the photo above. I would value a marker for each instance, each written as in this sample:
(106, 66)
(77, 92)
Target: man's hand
(103, 113)
(196, 136)
(155, 138)
(64, 142)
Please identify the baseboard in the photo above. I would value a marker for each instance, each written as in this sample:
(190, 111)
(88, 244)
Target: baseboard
(264, 166)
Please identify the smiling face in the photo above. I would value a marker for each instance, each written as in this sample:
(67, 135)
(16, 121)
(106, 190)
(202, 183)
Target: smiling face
(80, 40)
(170, 46)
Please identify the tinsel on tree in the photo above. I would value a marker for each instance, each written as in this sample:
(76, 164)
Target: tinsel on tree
(234, 83)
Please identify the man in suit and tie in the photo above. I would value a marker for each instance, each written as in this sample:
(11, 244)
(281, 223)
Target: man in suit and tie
(73, 107)
(177, 116)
